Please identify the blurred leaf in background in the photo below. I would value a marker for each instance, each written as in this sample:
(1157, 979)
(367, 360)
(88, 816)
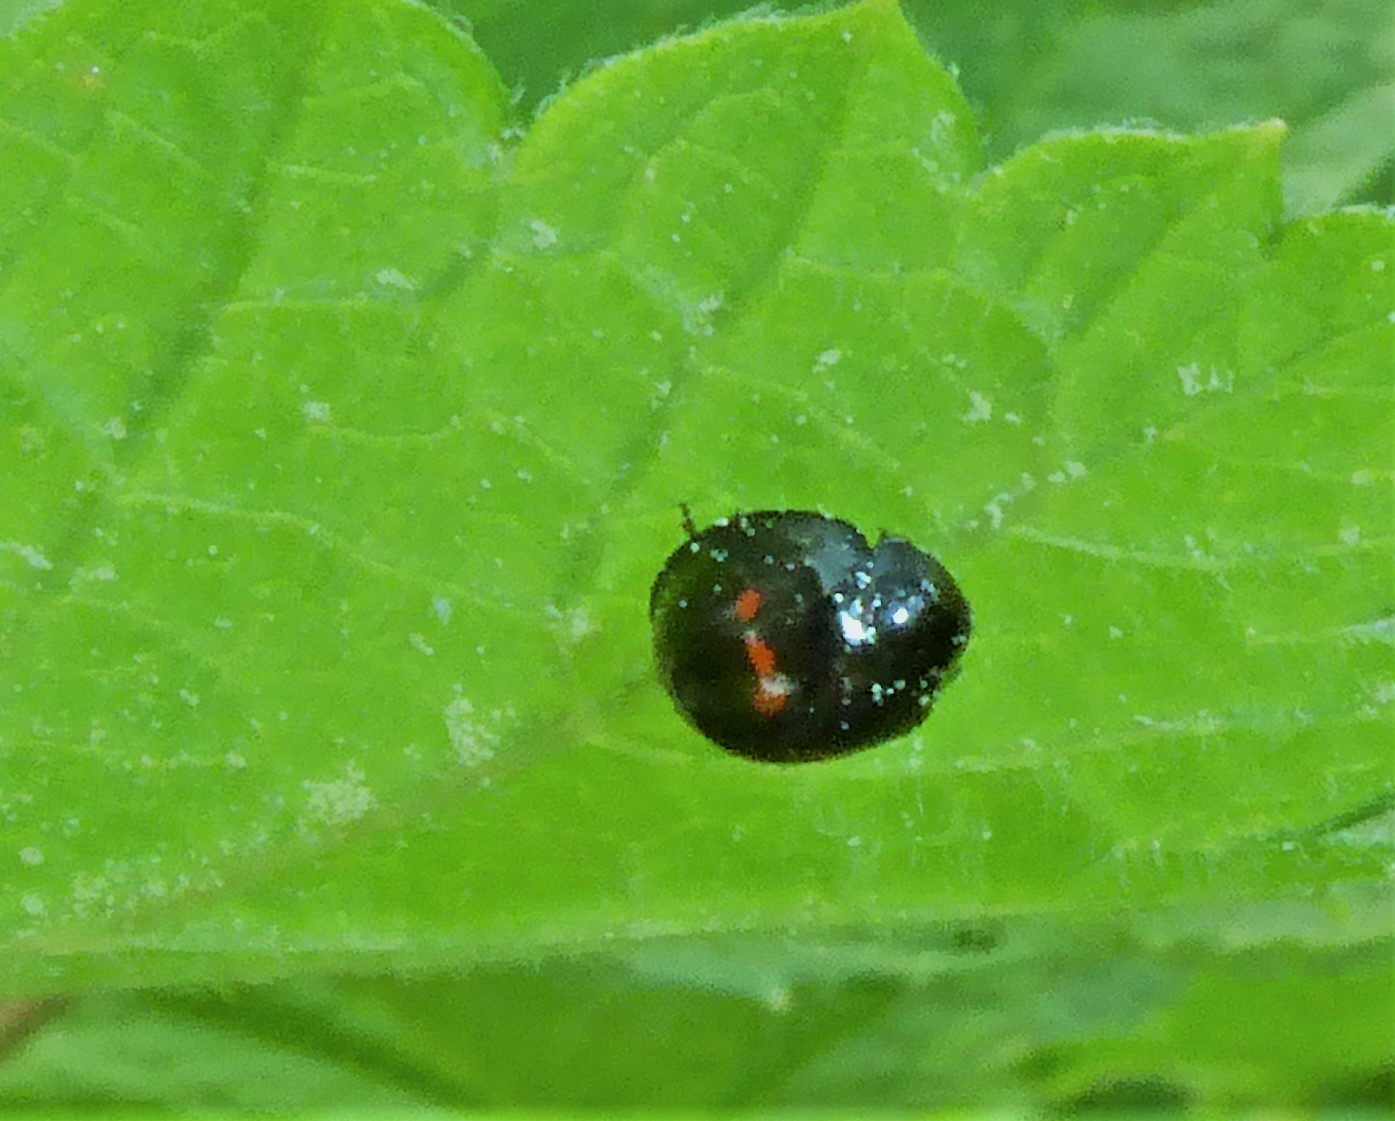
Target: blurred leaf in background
(1327, 70)
(346, 414)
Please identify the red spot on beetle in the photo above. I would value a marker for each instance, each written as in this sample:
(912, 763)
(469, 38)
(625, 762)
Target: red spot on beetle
(845, 643)
(759, 654)
(747, 605)
(772, 695)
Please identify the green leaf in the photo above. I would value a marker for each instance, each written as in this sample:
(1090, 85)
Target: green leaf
(1027, 69)
(342, 441)
(1189, 66)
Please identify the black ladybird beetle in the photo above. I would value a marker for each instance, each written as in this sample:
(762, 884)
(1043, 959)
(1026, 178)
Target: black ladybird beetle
(785, 637)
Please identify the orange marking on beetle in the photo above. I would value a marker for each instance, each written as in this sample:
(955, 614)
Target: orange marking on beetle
(771, 697)
(747, 605)
(759, 654)
(772, 694)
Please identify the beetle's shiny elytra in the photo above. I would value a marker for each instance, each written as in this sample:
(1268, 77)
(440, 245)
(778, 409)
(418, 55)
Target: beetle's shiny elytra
(785, 637)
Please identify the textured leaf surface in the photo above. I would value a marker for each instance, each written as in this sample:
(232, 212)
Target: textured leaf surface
(1032, 68)
(342, 440)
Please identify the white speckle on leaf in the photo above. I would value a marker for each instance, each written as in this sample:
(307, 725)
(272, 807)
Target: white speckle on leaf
(31, 857)
(941, 122)
(338, 801)
(88, 891)
(472, 739)
(1194, 549)
(994, 510)
(419, 644)
(1382, 693)
(102, 573)
(697, 317)
(316, 412)
(1070, 471)
(828, 358)
(1214, 381)
(1116, 633)
(576, 624)
(189, 698)
(1382, 630)
(391, 278)
(27, 553)
(33, 905)
(31, 439)
(980, 409)
(1378, 265)
(544, 236)
(115, 427)
(1349, 535)
(442, 608)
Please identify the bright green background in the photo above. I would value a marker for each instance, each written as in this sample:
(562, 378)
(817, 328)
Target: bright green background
(347, 407)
